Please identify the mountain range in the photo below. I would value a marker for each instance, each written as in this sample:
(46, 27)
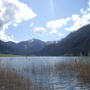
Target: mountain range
(23, 48)
(75, 44)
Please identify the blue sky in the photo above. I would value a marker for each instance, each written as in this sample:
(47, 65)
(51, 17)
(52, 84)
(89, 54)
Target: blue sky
(46, 20)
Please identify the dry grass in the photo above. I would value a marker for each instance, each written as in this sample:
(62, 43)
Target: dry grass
(83, 70)
(12, 81)
(80, 68)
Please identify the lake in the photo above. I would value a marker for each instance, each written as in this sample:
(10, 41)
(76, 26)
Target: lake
(44, 73)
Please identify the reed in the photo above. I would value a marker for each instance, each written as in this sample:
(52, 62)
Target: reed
(10, 80)
(78, 67)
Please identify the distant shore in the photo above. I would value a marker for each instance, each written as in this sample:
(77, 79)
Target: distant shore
(8, 55)
(13, 55)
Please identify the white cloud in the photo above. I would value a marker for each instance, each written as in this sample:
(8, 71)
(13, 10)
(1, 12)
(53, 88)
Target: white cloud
(82, 11)
(54, 31)
(32, 24)
(57, 23)
(79, 21)
(60, 34)
(75, 17)
(89, 2)
(13, 12)
(5, 37)
(78, 24)
(40, 29)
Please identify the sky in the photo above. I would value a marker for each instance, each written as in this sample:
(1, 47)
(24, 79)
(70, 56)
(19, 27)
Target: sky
(47, 20)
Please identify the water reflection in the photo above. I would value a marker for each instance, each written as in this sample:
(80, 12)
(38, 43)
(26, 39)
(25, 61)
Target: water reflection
(45, 73)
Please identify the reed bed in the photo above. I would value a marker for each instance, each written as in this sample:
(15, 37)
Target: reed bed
(78, 67)
(10, 80)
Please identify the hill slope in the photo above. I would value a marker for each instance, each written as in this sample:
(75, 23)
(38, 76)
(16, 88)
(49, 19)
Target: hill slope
(76, 43)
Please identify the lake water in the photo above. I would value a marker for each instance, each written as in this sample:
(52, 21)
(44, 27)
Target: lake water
(44, 74)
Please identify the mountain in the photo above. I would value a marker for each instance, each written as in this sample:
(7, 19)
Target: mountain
(22, 48)
(76, 43)
(31, 46)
